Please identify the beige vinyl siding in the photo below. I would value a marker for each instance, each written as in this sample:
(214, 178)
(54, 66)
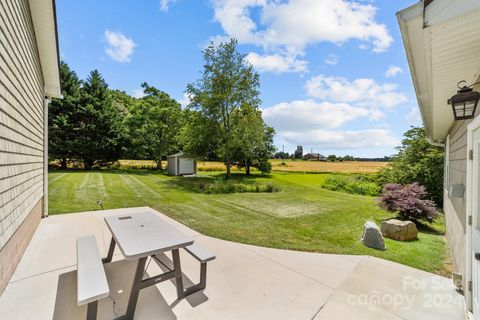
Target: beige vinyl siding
(455, 208)
(21, 118)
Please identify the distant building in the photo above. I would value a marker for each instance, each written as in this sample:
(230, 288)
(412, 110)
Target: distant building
(180, 164)
(314, 156)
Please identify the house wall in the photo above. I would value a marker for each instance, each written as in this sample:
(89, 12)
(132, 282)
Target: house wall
(21, 134)
(455, 208)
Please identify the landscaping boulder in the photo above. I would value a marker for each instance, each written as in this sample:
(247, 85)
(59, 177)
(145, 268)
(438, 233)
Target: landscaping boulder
(399, 230)
(372, 237)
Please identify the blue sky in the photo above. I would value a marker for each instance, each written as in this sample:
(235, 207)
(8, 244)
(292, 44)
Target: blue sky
(334, 76)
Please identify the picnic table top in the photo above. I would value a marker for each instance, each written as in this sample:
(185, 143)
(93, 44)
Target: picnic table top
(143, 234)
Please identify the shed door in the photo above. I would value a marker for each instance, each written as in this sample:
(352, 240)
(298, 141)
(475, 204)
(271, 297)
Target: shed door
(476, 224)
(186, 166)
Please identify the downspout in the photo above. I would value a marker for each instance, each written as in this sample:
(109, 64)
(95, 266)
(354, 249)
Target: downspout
(436, 144)
(46, 102)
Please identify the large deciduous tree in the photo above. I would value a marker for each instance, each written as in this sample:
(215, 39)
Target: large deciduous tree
(417, 161)
(253, 140)
(154, 125)
(61, 118)
(227, 83)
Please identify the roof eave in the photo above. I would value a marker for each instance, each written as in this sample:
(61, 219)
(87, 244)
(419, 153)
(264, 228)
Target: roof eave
(405, 17)
(44, 20)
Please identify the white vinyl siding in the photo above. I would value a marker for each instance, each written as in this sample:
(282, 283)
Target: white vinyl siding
(21, 118)
(455, 208)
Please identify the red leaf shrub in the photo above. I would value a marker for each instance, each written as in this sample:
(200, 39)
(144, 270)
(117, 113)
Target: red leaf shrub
(408, 200)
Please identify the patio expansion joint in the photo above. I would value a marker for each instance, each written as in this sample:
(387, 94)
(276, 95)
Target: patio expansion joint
(41, 274)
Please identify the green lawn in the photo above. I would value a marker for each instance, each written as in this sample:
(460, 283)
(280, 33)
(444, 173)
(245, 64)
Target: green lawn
(302, 216)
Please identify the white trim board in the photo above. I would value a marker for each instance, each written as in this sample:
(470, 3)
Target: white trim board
(469, 196)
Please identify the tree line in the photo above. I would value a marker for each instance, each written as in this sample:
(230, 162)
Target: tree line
(94, 126)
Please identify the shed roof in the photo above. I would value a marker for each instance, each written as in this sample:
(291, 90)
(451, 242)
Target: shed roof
(180, 154)
(442, 44)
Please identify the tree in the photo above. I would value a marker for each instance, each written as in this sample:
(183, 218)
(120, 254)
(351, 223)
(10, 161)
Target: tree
(408, 201)
(253, 140)
(61, 117)
(417, 161)
(332, 158)
(227, 83)
(99, 139)
(281, 155)
(298, 153)
(198, 136)
(154, 125)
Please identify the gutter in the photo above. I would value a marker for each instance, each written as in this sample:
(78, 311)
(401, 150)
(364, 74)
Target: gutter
(436, 144)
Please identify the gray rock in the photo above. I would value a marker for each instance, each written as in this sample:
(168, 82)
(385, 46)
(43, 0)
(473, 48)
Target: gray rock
(399, 230)
(372, 237)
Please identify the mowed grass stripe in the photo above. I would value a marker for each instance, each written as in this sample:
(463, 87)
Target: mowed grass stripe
(144, 186)
(121, 194)
(56, 177)
(88, 193)
(101, 185)
(127, 184)
(62, 194)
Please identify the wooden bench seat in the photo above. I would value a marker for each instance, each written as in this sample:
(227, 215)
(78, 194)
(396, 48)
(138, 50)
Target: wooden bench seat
(92, 282)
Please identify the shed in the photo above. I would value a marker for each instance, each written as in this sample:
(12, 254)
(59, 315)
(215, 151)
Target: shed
(180, 164)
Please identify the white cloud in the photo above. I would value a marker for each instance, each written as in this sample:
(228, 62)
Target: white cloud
(165, 4)
(413, 117)
(376, 115)
(138, 93)
(337, 139)
(119, 47)
(276, 63)
(309, 114)
(292, 25)
(362, 92)
(332, 60)
(185, 100)
(392, 71)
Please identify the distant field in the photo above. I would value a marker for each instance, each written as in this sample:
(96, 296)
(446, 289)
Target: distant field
(288, 166)
(319, 166)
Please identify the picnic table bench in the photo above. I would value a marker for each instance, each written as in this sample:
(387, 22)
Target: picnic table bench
(139, 236)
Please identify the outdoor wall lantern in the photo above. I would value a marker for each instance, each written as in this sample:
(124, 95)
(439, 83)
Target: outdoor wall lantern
(464, 103)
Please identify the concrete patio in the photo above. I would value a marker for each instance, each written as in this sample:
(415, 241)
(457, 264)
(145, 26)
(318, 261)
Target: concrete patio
(244, 282)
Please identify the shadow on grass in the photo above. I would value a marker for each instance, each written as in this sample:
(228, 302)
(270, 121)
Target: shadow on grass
(426, 227)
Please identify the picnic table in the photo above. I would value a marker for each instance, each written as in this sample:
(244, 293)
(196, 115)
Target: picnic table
(139, 236)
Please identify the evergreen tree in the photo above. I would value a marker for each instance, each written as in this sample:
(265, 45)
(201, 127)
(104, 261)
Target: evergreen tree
(298, 153)
(99, 139)
(62, 122)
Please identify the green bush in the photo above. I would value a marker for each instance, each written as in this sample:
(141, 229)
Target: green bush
(221, 186)
(359, 184)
